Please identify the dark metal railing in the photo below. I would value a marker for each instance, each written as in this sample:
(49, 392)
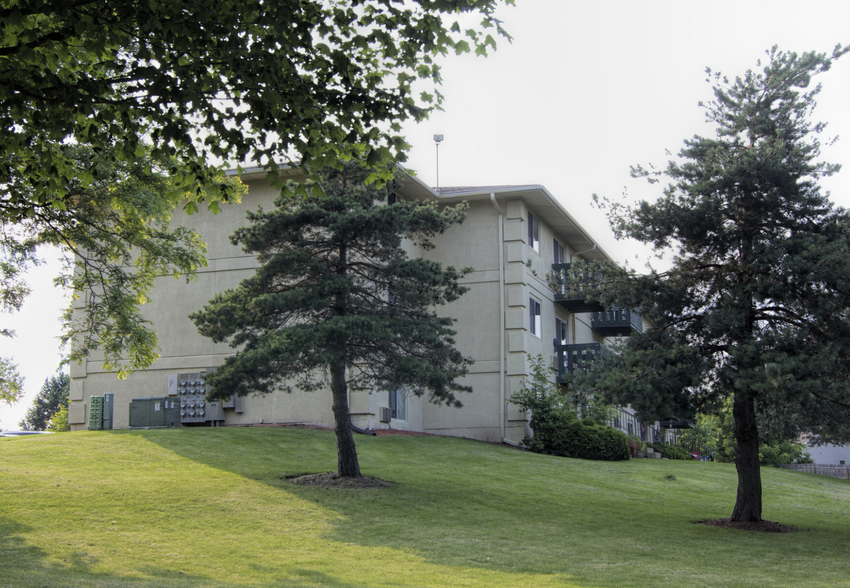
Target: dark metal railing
(631, 425)
(628, 423)
(571, 358)
(691, 445)
(573, 296)
(617, 321)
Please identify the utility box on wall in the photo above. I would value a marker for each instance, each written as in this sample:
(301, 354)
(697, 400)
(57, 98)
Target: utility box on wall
(215, 412)
(234, 402)
(108, 407)
(154, 412)
(140, 413)
(95, 413)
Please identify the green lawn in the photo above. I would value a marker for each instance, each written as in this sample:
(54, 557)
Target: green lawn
(212, 507)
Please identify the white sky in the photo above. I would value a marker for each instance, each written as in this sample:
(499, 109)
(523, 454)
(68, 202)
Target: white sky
(585, 90)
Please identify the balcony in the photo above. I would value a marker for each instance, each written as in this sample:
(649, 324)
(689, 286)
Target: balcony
(676, 424)
(574, 300)
(571, 358)
(617, 321)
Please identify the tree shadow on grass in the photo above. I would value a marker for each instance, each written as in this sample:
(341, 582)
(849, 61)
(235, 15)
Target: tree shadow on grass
(430, 508)
(24, 565)
(463, 505)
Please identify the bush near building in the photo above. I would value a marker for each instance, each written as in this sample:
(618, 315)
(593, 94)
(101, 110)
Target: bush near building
(671, 451)
(556, 428)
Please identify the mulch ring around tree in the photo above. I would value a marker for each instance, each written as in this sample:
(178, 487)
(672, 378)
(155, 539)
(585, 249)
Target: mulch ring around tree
(334, 480)
(762, 526)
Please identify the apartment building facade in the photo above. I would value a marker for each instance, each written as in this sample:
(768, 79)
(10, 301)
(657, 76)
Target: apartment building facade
(514, 237)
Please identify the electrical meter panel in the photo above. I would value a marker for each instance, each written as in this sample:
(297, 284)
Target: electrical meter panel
(192, 392)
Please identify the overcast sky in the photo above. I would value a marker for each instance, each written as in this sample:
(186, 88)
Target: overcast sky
(585, 90)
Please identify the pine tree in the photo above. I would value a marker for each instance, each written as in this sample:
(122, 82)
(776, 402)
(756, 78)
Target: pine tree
(49, 401)
(756, 306)
(336, 294)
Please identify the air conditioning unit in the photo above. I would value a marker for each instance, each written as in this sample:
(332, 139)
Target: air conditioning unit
(385, 414)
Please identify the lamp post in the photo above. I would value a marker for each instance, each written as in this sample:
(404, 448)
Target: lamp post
(437, 140)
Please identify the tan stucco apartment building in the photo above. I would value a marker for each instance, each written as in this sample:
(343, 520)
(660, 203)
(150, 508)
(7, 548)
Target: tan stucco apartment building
(512, 236)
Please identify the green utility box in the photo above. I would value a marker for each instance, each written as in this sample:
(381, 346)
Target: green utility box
(140, 412)
(146, 413)
(95, 413)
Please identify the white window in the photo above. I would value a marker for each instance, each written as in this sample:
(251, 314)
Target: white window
(560, 252)
(534, 325)
(560, 332)
(398, 404)
(533, 233)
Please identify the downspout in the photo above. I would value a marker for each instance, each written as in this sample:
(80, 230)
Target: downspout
(572, 315)
(501, 249)
(580, 252)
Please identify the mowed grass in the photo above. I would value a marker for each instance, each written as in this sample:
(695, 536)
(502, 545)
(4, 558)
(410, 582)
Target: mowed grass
(212, 507)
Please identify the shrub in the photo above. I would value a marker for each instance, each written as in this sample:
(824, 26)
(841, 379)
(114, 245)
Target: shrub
(58, 423)
(557, 429)
(672, 451)
(777, 453)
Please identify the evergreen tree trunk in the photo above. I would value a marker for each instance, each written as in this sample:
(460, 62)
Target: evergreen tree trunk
(347, 464)
(748, 502)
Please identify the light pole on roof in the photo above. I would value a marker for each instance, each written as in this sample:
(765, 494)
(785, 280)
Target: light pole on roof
(437, 140)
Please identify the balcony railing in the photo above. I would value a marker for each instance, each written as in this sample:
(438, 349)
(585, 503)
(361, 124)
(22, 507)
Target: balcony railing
(573, 297)
(571, 358)
(631, 425)
(676, 424)
(617, 321)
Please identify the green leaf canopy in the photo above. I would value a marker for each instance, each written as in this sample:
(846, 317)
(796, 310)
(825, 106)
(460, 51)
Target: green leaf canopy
(235, 80)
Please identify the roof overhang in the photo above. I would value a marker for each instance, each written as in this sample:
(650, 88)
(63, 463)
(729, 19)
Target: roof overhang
(536, 197)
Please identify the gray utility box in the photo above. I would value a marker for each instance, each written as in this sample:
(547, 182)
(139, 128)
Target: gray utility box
(215, 412)
(154, 412)
(108, 406)
(234, 402)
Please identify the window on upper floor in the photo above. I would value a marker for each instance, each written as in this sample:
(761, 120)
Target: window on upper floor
(392, 198)
(533, 233)
(560, 252)
(535, 326)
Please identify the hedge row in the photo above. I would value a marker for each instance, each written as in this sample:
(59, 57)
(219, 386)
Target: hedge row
(671, 451)
(561, 433)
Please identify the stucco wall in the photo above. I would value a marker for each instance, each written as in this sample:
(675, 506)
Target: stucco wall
(476, 244)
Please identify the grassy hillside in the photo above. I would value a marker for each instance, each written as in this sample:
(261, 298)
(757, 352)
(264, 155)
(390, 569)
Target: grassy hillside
(212, 507)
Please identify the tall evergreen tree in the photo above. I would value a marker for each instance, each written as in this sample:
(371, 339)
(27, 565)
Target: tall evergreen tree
(756, 306)
(49, 401)
(336, 293)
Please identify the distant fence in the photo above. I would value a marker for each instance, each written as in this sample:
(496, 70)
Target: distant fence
(835, 471)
